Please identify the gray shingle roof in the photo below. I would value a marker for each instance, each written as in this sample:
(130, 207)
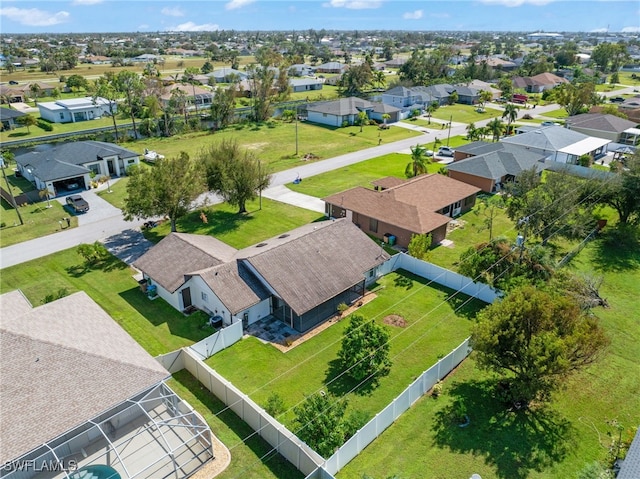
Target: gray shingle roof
(342, 107)
(323, 260)
(601, 122)
(8, 113)
(480, 147)
(50, 163)
(62, 363)
(496, 164)
(179, 254)
(550, 138)
(630, 468)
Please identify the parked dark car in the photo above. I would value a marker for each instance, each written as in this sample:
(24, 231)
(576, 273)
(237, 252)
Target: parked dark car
(13, 82)
(616, 99)
(77, 204)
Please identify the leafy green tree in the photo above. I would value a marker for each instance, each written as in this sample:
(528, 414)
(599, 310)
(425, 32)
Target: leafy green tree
(93, 253)
(490, 208)
(419, 161)
(223, 106)
(168, 189)
(355, 80)
(131, 86)
(534, 340)
(485, 97)
(320, 422)
(622, 193)
(575, 98)
(419, 246)
(27, 120)
(364, 353)
(106, 87)
(453, 98)
(505, 84)
(275, 405)
(77, 82)
(35, 90)
(262, 91)
(235, 175)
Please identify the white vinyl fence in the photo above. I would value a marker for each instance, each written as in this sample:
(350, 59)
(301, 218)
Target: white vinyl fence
(305, 459)
(218, 341)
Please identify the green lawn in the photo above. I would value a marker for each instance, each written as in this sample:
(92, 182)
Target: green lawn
(38, 221)
(250, 457)
(605, 87)
(275, 142)
(155, 325)
(433, 329)
(464, 113)
(555, 442)
(559, 113)
(363, 173)
(243, 230)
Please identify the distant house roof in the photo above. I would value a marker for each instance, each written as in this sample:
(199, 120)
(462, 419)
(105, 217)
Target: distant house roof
(304, 81)
(410, 205)
(496, 164)
(550, 138)
(180, 254)
(9, 114)
(342, 107)
(50, 163)
(331, 66)
(62, 363)
(601, 122)
(73, 104)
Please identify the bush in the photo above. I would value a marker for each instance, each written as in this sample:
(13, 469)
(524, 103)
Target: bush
(342, 307)
(275, 405)
(45, 125)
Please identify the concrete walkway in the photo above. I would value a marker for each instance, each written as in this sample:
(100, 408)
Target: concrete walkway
(285, 195)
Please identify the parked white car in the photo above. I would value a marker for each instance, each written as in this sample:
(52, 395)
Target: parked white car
(445, 151)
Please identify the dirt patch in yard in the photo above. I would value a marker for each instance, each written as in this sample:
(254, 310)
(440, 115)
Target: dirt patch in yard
(395, 320)
(256, 146)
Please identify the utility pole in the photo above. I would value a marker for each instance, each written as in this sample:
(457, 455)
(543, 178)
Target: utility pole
(296, 130)
(522, 238)
(260, 180)
(13, 199)
(449, 133)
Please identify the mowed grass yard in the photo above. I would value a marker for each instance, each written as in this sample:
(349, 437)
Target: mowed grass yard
(554, 442)
(464, 113)
(274, 143)
(434, 328)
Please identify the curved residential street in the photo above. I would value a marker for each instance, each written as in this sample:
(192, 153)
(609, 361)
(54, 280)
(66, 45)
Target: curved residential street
(123, 238)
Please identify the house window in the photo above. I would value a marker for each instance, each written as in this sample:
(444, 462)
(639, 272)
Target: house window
(61, 116)
(458, 204)
(373, 225)
(95, 168)
(204, 296)
(446, 209)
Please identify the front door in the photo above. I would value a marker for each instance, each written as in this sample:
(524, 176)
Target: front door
(186, 298)
(456, 209)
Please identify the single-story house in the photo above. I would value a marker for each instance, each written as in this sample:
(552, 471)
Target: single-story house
(475, 148)
(78, 390)
(489, 171)
(332, 67)
(11, 94)
(421, 205)
(76, 109)
(300, 70)
(395, 62)
(609, 127)
(299, 277)
(305, 84)
(498, 63)
(482, 85)
(8, 118)
(147, 58)
(194, 95)
(227, 75)
(57, 166)
(45, 89)
(338, 112)
(405, 97)
(538, 83)
(380, 109)
(559, 144)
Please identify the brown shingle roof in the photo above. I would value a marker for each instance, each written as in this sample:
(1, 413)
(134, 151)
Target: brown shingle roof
(179, 254)
(411, 205)
(321, 261)
(61, 364)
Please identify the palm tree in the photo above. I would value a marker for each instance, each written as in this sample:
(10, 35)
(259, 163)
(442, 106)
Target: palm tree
(431, 107)
(362, 118)
(510, 113)
(380, 78)
(385, 117)
(473, 133)
(419, 161)
(485, 96)
(35, 90)
(496, 127)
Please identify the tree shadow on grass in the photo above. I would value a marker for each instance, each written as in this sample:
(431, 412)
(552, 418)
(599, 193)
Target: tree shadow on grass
(340, 384)
(107, 265)
(616, 251)
(514, 442)
(277, 464)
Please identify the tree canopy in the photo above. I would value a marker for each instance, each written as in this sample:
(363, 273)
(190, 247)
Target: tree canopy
(167, 189)
(235, 175)
(534, 340)
(320, 422)
(365, 349)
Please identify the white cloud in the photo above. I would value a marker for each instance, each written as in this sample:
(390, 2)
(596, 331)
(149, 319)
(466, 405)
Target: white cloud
(34, 17)
(172, 12)
(598, 30)
(192, 27)
(354, 4)
(412, 15)
(634, 29)
(234, 4)
(86, 2)
(516, 3)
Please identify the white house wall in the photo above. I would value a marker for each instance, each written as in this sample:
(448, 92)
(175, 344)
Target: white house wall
(324, 118)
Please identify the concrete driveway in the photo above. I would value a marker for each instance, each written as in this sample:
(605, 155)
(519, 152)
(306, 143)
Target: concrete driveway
(99, 209)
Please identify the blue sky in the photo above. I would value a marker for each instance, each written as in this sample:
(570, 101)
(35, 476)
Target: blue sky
(57, 16)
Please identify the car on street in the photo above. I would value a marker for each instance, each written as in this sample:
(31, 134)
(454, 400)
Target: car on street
(616, 99)
(77, 203)
(445, 151)
(13, 82)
